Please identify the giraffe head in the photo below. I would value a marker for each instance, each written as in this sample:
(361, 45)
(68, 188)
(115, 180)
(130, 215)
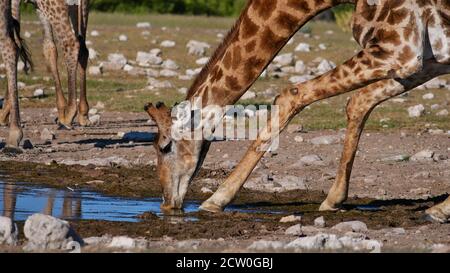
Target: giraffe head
(178, 160)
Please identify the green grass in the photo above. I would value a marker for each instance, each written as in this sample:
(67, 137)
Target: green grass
(121, 92)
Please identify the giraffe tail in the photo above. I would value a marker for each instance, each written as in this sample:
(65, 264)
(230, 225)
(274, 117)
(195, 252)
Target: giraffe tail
(24, 53)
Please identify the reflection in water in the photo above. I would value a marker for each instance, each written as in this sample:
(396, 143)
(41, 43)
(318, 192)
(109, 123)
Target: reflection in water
(20, 200)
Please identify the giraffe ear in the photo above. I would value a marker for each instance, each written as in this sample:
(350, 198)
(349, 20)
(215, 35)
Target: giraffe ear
(161, 114)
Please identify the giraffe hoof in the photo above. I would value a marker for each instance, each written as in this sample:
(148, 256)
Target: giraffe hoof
(435, 215)
(64, 127)
(211, 207)
(327, 207)
(12, 151)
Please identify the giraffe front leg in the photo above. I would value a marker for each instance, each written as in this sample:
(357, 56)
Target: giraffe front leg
(440, 213)
(365, 69)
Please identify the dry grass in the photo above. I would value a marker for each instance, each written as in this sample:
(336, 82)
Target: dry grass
(121, 92)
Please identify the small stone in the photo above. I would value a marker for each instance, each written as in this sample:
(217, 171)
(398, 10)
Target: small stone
(284, 59)
(300, 67)
(416, 111)
(248, 95)
(396, 158)
(95, 33)
(291, 218)
(95, 70)
(264, 245)
(170, 64)
(442, 113)
(311, 160)
(197, 48)
(424, 155)
(168, 73)
(95, 119)
(294, 230)
(353, 226)
(202, 61)
(123, 38)
(47, 135)
(47, 232)
(299, 139)
(8, 231)
(38, 93)
(143, 25)
(428, 96)
(319, 222)
(168, 44)
(326, 140)
(123, 242)
(303, 47)
(325, 66)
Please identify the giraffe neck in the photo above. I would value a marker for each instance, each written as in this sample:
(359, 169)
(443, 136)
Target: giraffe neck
(261, 31)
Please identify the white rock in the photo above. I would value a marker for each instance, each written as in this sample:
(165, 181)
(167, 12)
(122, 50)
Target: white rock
(442, 113)
(416, 111)
(424, 155)
(326, 140)
(300, 67)
(100, 105)
(168, 73)
(284, 59)
(144, 59)
(8, 231)
(95, 119)
(93, 111)
(428, 96)
(319, 222)
(353, 226)
(303, 47)
(123, 242)
(128, 68)
(325, 66)
(117, 58)
(95, 33)
(300, 79)
(27, 35)
(47, 135)
(155, 84)
(264, 245)
(93, 54)
(197, 48)
(156, 52)
(202, 61)
(143, 25)
(322, 46)
(299, 139)
(95, 70)
(47, 232)
(295, 230)
(168, 44)
(311, 160)
(38, 93)
(248, 95)
(123, 38)
(170, 64)
(318, 242)
(291, 218)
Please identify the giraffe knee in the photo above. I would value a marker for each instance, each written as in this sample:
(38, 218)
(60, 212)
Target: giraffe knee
(286, 99)
(357, 107)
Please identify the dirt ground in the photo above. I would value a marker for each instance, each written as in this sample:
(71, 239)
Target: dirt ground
(400, 191)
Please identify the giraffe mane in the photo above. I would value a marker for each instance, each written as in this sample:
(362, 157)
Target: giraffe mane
(202, 76)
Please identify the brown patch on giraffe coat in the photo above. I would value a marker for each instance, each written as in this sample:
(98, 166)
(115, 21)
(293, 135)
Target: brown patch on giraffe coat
(367, 36)
(232, 83)
(264, 8)
(388, 36)
(368, 12)
(227, 60)
(237, 57)
(270, 41)
(250, 47)
(287, 21)
(397, 16)
(252, 66)
(249, 29)
(357, 31)
(406, 55)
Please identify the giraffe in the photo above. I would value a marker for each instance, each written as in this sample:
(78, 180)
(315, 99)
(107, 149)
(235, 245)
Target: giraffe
(261, 31)
(12, 47)
(67, 24)
(404, 44)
